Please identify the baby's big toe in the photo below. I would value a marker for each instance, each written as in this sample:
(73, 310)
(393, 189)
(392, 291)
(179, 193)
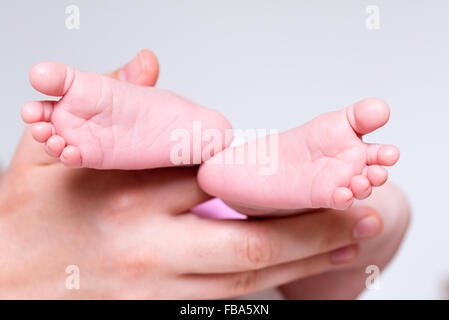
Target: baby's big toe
(51, 78)
(368, 115)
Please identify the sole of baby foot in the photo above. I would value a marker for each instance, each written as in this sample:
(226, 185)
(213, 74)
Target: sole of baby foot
(321, 164)
(103, 123)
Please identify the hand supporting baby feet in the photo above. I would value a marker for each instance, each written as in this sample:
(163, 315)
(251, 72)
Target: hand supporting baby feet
(103, 123)
(322, 164)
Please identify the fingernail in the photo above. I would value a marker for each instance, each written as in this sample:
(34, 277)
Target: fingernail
(131, 72)
(345, 254)
(366, 228)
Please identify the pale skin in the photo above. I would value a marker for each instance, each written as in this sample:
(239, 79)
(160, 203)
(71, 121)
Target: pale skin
(110, 224)
(322, 164)
(103, 123)
(130, 242)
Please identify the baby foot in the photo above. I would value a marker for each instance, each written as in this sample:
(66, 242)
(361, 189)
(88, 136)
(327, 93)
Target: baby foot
(103, 123)
(322, 164)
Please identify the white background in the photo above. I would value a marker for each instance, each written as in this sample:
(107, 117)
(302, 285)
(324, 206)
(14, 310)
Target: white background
(273, 64)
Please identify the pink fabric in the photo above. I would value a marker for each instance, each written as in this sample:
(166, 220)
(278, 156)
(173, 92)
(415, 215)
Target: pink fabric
(216, 209)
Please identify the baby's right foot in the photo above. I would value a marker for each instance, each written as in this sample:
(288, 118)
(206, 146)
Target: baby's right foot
(103, 123)
(322, 164)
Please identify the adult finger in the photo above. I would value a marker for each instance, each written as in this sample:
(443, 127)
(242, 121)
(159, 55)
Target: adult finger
(216, 286)
(208, 246)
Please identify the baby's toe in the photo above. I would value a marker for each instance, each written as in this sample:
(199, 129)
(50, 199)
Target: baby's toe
(360, 187)
(384, 155)
(54, 146)
(71, 157)
(51, 78)
(388, 155)
(36, 111)
(377, 175)
(342, 198)
(42, 131)
(368, 115)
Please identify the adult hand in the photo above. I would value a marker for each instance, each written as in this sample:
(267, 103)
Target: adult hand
(131, 234)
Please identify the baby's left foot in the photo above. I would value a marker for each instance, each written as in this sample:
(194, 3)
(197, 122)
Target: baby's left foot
(102, 123)
(322, 164)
